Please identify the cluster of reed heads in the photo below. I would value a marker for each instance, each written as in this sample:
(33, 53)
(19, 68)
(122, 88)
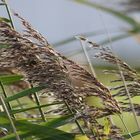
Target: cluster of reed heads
(30, 55)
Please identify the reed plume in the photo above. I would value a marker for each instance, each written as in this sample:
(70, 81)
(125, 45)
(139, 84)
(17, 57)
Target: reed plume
(31, 55)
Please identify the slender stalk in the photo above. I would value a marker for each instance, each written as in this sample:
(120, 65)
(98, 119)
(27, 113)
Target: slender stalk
(5, 95)
(121, 74)
(3, 90)
(9, 117)
(11, 21)
(76, 121)
(8, 12)
(121, 118)
(39, 104)
(130, 100)
(83, 44)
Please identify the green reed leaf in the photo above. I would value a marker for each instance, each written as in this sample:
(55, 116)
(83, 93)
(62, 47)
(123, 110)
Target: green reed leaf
(41, 131)
(4, 19)
(25, 93)
(9, 79)
(32, 108)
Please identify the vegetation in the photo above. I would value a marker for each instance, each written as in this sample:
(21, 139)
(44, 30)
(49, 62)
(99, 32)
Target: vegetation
(46, 96)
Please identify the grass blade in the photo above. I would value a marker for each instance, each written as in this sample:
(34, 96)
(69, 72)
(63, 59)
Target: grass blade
(9, 117)
(4, 19)
(133, 134)
(1, 4)
(58, 121)
(24, 93)
(4, 45)
(41, 131)
(9, 79)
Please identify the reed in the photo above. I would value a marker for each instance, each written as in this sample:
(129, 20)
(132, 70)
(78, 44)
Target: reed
(62, 80)
(39, 63)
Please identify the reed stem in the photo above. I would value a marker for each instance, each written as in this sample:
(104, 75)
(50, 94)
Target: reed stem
(39, 108)
(76, 121)
(121, 118)
(8, 12)
(9, 117)
(5, 95)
